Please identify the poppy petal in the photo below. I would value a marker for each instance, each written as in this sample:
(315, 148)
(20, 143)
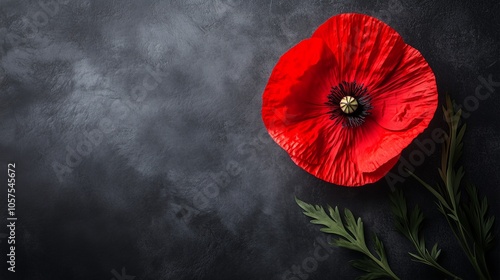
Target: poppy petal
(293, 100)
(366, 49)
(345, 173)
(356, 157)
(410, 99)
(374, 146)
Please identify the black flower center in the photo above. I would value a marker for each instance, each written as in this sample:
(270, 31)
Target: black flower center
(349, 103)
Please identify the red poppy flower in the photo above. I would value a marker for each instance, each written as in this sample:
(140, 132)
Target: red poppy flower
(347, 101)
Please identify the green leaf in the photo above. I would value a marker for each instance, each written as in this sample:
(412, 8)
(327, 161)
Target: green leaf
(469, 221)
(373, 271)
(455, 218)
(350, 235)
(418, 258)
(410, 226)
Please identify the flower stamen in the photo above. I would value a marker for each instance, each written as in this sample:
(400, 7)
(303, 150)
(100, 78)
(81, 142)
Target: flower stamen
(348, 104)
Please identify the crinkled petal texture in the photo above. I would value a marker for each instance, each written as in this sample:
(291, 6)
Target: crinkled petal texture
(353, 48)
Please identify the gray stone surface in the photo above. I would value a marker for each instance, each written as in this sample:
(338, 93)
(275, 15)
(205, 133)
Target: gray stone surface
(140, 151)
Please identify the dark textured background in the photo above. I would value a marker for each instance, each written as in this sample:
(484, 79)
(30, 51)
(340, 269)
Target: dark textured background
(181, 180)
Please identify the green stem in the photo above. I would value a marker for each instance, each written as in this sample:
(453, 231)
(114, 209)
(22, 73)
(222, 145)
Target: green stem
(380, 263)
(430, 261)
(458, 230)
(461, 236)
(448, 196)
(482, 273)
(486, 271)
